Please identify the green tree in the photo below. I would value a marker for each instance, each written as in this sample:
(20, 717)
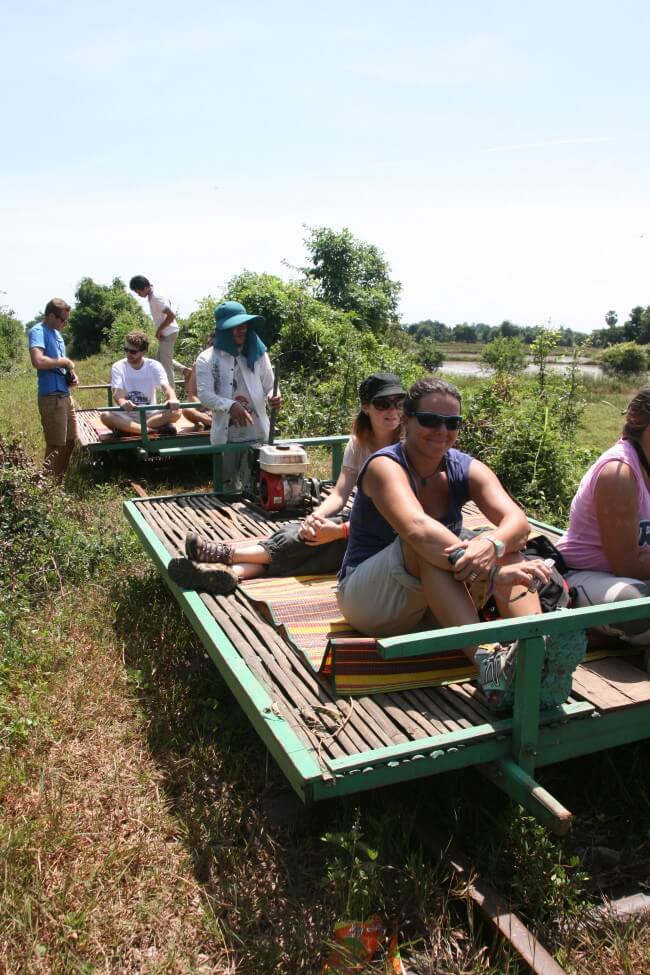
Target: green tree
(429, 355)
(277, 300)
(352, 276)
(101, 313)
(12, 337)
(505, 355)
(611, 318)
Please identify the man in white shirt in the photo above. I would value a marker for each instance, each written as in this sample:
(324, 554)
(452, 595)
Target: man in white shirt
(165, 321)
(134, 381)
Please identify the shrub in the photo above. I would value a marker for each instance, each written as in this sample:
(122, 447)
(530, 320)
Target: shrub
(527, 437)
(12, 338)
(626, 359)
(505, 355)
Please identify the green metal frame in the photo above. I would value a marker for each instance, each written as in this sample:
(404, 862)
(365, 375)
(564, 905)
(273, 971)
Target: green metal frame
(507, 750)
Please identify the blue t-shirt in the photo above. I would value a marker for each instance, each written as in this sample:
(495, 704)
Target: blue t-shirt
(370, 532)
(51, 341)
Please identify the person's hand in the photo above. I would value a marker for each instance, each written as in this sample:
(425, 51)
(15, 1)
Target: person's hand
(67, 363)
(275, 402)
(127, 404)
(239, 415)
(172, 404)
(477, 560)
(531, 573)
(316, 530)
(75, 379)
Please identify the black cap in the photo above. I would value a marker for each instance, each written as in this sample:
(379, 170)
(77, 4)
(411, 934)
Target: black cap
(380, 384)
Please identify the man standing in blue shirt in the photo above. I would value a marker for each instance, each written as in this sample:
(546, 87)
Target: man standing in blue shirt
(55, 377)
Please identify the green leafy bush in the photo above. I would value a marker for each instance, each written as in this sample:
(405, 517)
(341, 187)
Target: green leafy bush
(12, 338)
(526, 435)
(626, 359)
(505, 355)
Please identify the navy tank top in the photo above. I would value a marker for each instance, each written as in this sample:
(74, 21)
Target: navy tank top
(370, 532)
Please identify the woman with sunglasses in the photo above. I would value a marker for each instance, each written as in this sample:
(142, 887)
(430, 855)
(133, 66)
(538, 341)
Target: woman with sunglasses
(408, 559)
(317, 545)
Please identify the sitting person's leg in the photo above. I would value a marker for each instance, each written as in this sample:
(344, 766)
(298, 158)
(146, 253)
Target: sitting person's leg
(198, 417)
(600, 588)
(390, 593)
(166, 418)
(121, 421)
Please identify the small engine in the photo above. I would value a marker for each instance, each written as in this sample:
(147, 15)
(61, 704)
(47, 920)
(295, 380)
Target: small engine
(277, 478)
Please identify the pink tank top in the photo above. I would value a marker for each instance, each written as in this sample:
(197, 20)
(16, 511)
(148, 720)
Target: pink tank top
(581, 545)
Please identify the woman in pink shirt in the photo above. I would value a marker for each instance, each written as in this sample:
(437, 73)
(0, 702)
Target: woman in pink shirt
(607, 543)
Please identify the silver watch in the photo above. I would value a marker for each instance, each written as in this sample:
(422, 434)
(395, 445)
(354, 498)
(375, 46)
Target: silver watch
(499, 546)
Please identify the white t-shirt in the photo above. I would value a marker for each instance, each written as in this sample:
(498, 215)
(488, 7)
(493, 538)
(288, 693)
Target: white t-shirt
(159, 307)
(355, 454)
(140, 385)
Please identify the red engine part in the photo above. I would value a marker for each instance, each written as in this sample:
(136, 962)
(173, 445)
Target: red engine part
(272, 496)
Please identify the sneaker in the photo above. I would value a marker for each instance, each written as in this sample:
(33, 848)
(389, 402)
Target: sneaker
(203, 550)
(562, 655)
(496, 667)
(218, 579)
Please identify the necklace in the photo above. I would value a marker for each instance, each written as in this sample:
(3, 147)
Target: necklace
(424, 480)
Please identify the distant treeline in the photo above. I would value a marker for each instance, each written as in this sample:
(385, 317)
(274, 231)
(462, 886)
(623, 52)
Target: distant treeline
(635, 329)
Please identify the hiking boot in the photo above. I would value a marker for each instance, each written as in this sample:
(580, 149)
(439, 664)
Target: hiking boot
(203, 550)
(562, 655)
(219, 579)
(496, 667)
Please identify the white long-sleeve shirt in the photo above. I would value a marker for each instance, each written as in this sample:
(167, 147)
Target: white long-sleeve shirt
(223, 379)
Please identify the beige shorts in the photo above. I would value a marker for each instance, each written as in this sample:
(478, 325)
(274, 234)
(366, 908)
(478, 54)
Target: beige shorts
(380, 598)
(58, 419)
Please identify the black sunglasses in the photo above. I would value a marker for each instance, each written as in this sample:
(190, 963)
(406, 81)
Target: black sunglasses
(383, 403)
(433, 421)
(127, 350)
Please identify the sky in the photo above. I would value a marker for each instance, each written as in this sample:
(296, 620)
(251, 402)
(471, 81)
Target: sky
(497, 152)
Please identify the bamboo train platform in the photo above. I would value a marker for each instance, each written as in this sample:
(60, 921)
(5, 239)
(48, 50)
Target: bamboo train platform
(331, 746)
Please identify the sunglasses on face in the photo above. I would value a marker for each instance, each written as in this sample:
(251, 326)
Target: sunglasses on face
(433, 421)
(132, 351)
(383, 403)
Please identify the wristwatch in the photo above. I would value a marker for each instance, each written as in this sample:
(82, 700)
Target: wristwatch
(499, 546)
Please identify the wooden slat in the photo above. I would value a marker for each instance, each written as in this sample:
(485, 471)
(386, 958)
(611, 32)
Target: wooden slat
(611, 683)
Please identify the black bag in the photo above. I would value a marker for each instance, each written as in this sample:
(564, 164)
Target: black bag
(557, 593)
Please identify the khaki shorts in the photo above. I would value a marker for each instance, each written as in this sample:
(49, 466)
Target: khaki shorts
(58, 419)
(380, 598)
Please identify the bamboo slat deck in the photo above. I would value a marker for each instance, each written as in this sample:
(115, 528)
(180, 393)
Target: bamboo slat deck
(93, 436)
(330, 746)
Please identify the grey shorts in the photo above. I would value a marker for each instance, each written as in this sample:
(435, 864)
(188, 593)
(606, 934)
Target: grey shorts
(380, 597)
(598, 588)
(290, 556)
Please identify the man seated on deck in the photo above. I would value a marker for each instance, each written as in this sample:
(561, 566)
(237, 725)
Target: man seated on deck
(134, 381)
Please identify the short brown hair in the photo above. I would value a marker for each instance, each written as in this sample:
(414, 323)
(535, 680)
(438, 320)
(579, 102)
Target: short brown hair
(138, 339)
(56, 305)
(637, 415)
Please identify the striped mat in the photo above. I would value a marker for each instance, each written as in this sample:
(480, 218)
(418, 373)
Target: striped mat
(305, 610)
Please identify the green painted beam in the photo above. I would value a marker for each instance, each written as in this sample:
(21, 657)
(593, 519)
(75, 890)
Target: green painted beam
(495, 631)
(525, 719)
(415, 766)
(603, 730)
(513, 780)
